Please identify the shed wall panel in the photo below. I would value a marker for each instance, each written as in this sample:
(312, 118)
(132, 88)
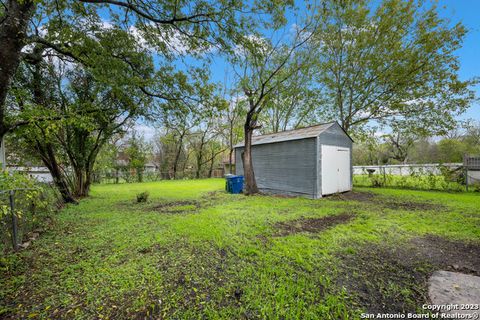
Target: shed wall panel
(287, 167)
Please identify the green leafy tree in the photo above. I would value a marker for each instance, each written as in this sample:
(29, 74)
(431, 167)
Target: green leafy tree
(137, 151)
(451, 150)
(79, 115)
(392, 62)
(262, 67)
(293, 104)
(232, 131)
(76, 30)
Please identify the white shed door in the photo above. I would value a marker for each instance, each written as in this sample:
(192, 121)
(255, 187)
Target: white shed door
(336, 174)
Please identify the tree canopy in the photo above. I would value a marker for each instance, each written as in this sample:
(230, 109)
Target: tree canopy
(392, 63)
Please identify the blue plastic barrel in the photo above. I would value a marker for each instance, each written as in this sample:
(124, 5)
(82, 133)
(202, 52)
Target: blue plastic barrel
(234, 184)
(227, 181)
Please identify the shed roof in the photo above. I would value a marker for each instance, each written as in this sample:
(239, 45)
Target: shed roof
(294, 134)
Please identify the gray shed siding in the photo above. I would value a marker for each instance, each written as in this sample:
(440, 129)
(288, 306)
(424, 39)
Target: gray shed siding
(333, 136)
(286, 167)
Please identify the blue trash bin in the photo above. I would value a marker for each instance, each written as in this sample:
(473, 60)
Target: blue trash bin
(227, 182)
(234, 184)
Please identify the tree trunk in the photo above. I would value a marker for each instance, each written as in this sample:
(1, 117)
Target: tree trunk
(230, 141)
(210, 170)
(79, 182)
(12, 39)
(177, 157)
(230, 157)
(83, 180)
(249, 174)
(47, 155)
(199, 163)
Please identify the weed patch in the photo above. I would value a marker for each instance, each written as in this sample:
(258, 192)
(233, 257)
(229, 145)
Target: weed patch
(195, 277)
(178, 207)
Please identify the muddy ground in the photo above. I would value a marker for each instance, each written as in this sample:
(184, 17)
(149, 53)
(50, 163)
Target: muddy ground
(394, 279)
(185, 206)
(311, 225)
(389, 203)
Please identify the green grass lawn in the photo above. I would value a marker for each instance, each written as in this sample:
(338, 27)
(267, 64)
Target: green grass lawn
(193, 251)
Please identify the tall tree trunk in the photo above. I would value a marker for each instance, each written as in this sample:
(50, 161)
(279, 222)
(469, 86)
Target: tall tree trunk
(43, 146)
(79, 190)
(212, 161)
(230, 157)
(249, 174)
(199, 158)
(12, 39)
(47, 154)
(88, 178)
(83, 180)
(230, 141)
(177, 157)
(197, 171)
(199, 163)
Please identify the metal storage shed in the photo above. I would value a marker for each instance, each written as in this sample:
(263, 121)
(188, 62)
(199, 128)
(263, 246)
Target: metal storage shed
(310, 162)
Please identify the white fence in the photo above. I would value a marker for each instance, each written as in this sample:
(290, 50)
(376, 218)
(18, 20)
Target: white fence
(406, 169)
(40, 173)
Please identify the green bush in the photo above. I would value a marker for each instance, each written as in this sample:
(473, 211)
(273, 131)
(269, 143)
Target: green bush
(34, 203)
(415, 180)
(142, 197)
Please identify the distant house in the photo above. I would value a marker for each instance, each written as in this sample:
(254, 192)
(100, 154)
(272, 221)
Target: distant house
(226, 163)
(310, 162)
(123, 161)
(150, 167)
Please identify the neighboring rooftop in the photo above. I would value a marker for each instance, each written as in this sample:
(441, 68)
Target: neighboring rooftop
(295, 134)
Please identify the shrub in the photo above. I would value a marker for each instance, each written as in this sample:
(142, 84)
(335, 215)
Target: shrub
(34, 203)
(415, 180)
(142, 197)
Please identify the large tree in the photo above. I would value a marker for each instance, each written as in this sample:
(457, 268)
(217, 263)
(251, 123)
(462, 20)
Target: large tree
(389, 62)
(79, 115)
(70, 28)
(263, 66)
(293, 104)
(233, 131)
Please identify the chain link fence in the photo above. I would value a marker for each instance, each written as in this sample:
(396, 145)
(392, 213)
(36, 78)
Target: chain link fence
(130, 176)
(24, 214)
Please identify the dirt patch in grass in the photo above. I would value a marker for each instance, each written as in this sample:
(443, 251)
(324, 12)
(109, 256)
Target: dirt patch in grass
(178, 207)
(213, 195)
(355, 196)
(449, 255)
(388, 203)
(413, 206)
(394, 279)
(311, 225)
